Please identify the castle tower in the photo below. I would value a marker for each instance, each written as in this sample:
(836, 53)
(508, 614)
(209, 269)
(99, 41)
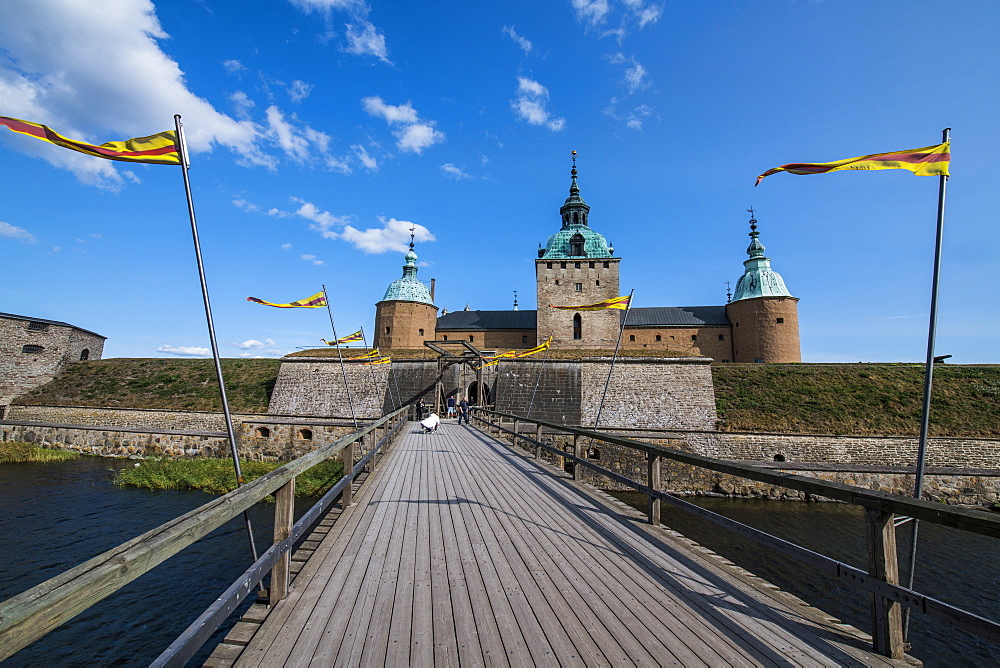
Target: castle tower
(406, 316)
(764, 315)
(576, 267)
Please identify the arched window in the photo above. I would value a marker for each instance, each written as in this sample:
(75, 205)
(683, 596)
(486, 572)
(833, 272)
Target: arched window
(305, 434)
(263, 432)
(577, 327)
(420, 331)
(85, 354)
(631, 337)
(576, 246)
(659, 338)
(524, 339)
(31, 349)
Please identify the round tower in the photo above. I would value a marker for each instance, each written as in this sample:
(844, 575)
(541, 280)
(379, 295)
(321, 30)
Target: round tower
(406, 316)
(764, 315)
(576, 268)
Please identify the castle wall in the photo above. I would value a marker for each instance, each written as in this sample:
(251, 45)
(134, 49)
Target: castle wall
(61, 346)
(492, 339)
(401, 324)
(315, 386)
(765, 329)
(714, 342)
(557, 398)
(556, 284)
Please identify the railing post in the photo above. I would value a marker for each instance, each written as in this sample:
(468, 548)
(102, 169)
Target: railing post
(538, 439)
(513, 439)
(284, 518)
(347, 457)
(577, 469)
(886, 615)
(653, 481)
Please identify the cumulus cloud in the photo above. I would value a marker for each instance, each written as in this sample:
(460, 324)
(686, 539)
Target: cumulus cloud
(98, 74)
(633, 118)
(635, 74)
(522, 42)
(313, 259)
(254, 344)
(233, 66)
(302, 143)
(413, 134)
(530, 105)
(323, 222)
(456, 173)
(299, 90)
(184, 351)
(286, 247)
(364, 38)
(14, 232)
(393, 235)
(243, 204)
(366, 159)
(592, 12)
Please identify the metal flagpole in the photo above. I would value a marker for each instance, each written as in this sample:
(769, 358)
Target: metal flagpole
(370, 368)
(233, 447)
(538, 378)
(343, 370)
(918, 484)
(621, 331)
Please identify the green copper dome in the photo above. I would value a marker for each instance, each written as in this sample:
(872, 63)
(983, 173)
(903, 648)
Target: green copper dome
(408, 288)
(758, 279)
(575, 239)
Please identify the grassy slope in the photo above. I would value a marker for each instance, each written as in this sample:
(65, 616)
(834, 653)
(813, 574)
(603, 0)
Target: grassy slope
(159, 383)
(857, 399)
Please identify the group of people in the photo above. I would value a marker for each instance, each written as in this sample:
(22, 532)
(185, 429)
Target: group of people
(431, 422)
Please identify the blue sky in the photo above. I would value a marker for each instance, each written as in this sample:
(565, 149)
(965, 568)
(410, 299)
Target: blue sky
(321, 130)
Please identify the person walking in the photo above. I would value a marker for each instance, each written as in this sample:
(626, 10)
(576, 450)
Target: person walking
(463, 411)
(451, 407)
(420, 409)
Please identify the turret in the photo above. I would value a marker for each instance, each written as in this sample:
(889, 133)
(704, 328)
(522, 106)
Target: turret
(406, 316)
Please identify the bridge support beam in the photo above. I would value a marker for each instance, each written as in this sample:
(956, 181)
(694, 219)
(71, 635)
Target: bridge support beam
(887, 617)
(347, 457)
(653, 481)
(284, 519)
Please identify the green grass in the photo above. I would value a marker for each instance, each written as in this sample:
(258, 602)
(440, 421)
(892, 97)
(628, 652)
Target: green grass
(857, 399)
(218, 477)
(160, 384)
(17, 451)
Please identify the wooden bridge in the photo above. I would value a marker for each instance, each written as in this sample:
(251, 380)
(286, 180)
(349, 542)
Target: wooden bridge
(460, 550)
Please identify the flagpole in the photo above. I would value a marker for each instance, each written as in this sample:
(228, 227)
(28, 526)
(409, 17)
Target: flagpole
(621, 331)
(233, 447)
(374, 382)
(538, 378)
(925, 416)
(343, 370)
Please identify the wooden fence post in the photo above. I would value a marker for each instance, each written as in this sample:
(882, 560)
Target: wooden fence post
(653, 481)
(538, 439)
(284, 518)
(347, 457)
(513, 439)
(886, 615)
(577, 469)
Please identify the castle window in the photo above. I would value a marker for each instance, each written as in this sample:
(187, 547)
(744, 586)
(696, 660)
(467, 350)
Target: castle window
(659, 338)
(722, 337)
(263, 432)
(32, 349)
(725, 361)
(578, 287)
(779, 458)
(548, 265)
(631, 337)
(420, 331)
(759, 360)
(578, 265)
(780, 321)
(607, 265)
(591, 265)
(388, 329)
(562, 265)
(471, 338)
(576, 246)
(34, 326)
(694, 337)
(577, 327)
(598, 282)
(557, 281)
(445, 337)
(737, 324)
(306, 434)
(524, 339)
(85, 354)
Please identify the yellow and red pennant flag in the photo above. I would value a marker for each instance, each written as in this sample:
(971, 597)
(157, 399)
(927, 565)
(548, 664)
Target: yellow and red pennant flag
(620, 303)
(318, 300)
(158, 149)
(368, 355)
(381, 360)
(350, 338)
(514, 354)
(926, 161)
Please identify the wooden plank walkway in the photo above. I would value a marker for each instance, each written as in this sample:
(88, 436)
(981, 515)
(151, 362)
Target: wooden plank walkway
(461, 552)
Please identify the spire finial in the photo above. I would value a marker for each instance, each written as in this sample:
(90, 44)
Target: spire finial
(729, 292)
(753, 223)
(413, 228)
(515, 300)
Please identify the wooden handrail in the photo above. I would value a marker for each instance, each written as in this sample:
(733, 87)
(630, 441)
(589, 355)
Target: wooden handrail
(31, 614)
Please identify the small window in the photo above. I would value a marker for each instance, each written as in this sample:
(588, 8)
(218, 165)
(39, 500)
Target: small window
(578, 265)
(471, 338)
(759, 360)
(548, 265)
(780, 321)
(577, 327)
(593, 453)
(557, 281)
(607, 265)
(34, 326)
(722, 337)
(737, 324)
(631, 337)
(591, 265)
(85, 354)
(659, 338)
(263, 432)
(694, 337)
(578, 287)
(420, 331)
(306, 434)
(32, 349)
(388, 329)
(445, 337)
(779, 458)
(725, 361)
(524, 339)
(562, 265)
(598, 283)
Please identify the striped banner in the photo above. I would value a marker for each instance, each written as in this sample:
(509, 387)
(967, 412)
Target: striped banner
(620, 303)
(318, 300)
(350, 338)
(926, 161)
(514, 354)
(381, 360)
(158, 149)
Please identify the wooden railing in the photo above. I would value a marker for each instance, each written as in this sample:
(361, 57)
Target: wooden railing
(33, 613)
(881, 580)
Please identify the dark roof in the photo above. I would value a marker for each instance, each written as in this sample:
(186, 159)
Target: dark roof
(464, 320)
(48, 322)
(677, 316)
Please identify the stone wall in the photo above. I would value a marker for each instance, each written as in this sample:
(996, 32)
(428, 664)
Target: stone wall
(557, 282)
(134, 418)
(491, 339)
(402, 324)
(765, 329)
(314, 386)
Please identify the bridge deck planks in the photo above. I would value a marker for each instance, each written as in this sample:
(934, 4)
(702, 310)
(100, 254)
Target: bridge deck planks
(462, 552)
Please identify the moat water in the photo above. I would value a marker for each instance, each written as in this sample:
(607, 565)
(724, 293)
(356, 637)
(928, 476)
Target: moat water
(58, 515)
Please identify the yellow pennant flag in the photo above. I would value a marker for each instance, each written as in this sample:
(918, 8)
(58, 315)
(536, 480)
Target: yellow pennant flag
(926, 161)
(158, 149)
(318, 300)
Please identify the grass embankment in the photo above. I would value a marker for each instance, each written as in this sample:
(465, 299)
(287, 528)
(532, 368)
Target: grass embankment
(16, 451)
(880, 399)
(160, 384)
(217, 476)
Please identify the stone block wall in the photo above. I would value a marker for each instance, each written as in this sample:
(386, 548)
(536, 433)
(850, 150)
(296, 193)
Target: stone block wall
(765, 329)
(557, 398)
(493, 339)
(715, 342)
(557, 281)
(315, 386)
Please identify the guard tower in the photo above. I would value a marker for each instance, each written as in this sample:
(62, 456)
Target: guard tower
(406, 316)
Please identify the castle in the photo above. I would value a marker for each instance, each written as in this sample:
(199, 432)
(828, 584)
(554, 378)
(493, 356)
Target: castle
(577, 266)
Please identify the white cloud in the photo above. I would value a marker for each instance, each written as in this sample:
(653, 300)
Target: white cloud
(634, 77)
(451, 170)
(234, 66)
(522, 42)
(530, 105)
(366, 159)
(249, 207)
(591, 11)
(14, 232)
(184, 351)
(286, 247)
(393, 235)
(415, 134)
(327, 5)
(364, 38)
(299, 90)
(633, 119)
(302, 143)
(313, 259)
(648, 15)
(254, 343)
(98, 74)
